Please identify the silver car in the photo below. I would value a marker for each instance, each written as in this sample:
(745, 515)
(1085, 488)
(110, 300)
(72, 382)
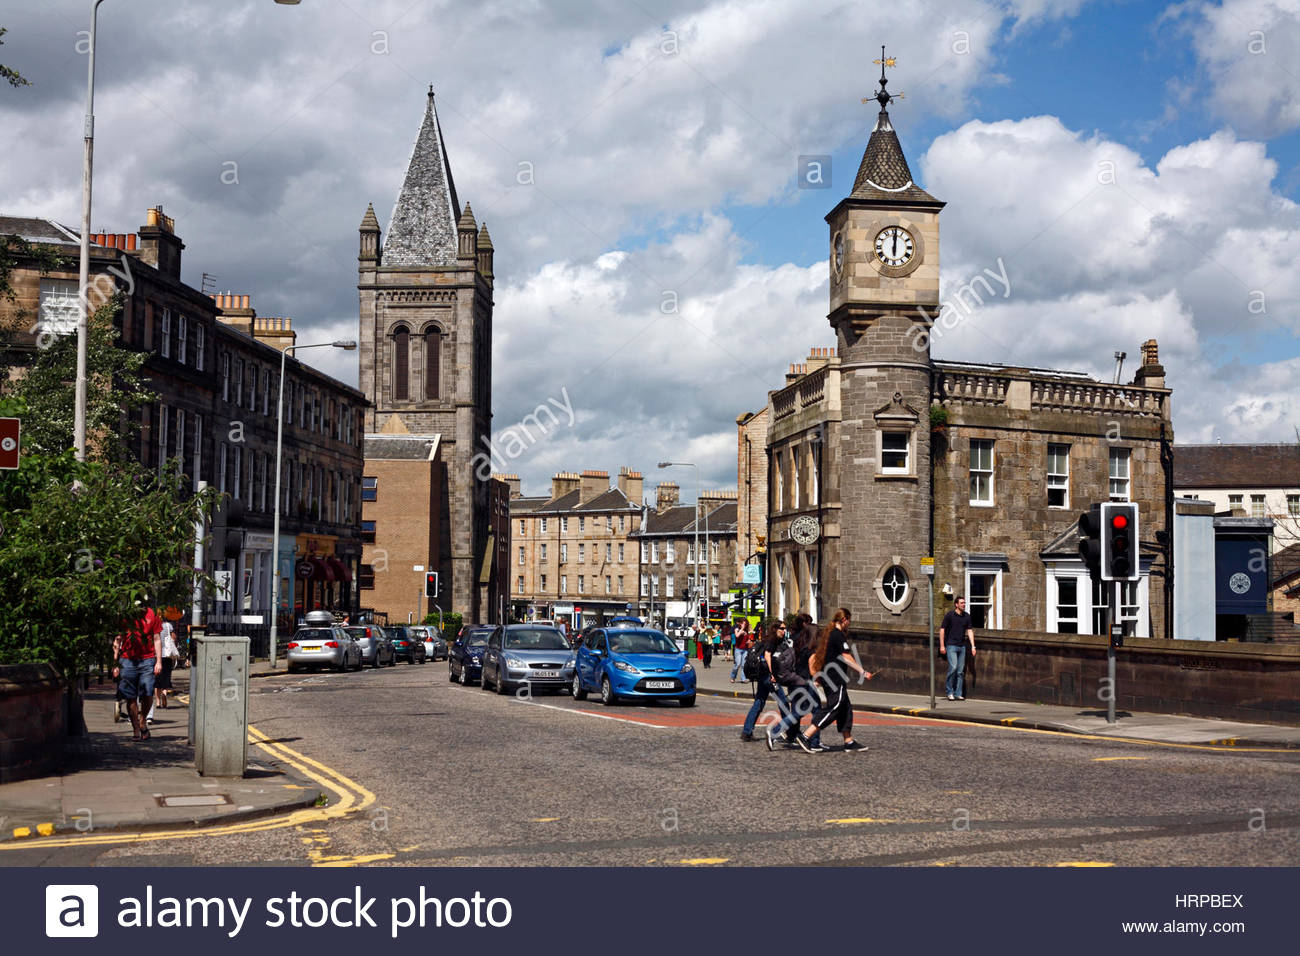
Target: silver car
(539, 656)
(376, 648)
(323, 647)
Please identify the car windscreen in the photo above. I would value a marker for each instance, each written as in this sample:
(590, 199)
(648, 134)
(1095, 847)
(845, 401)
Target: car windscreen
(358, 633)
(536, 639)
(314, 634)
(641, 642)
(478, 638)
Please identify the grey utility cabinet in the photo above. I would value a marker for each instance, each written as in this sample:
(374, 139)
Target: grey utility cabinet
(219, 700)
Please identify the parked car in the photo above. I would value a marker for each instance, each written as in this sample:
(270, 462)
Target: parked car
(465, 659)
(323, 647)
(435, 648)
(633, 663)
(407, 644)
(376, 648)
(526, 653)
(626, 622)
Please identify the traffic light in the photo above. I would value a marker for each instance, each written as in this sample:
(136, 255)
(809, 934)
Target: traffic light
(1090, 541)
(1119, 540)
(227, 529)
(431, 584)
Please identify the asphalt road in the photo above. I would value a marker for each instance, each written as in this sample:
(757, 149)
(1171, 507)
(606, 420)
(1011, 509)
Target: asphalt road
(461, 776)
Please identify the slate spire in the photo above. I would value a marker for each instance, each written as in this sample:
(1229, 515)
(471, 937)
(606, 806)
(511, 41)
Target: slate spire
(422, 230)
(884, 173)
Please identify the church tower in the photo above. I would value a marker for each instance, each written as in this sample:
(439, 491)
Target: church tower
(426, 349)
(884, 293)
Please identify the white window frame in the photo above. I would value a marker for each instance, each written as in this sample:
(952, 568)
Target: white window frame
(778, 462)
(523, 527)
(225, 378)
(609, 584)
(654, 552)
(521, 555)
(670, 552)
(1116, 457)
(985, 470)
(645, 585)
(582, 584)
(200, 334)
(198, 451)
(564, 552)
(182, 333)
(975, 569)
(906, 468)
(166, 333)
(542, 551)
(163, 414)
(645, 552)
(564, 526)
(620, 584)
(654, 586)
(1082, 599)
(794, 477)
(221, 467)
(542, 529)
(542, 584)
(1087, 605)
(582, 524)
(1293, 506)
(1258, 506)
(520, 587)
(237, 477)
(1058, 480)
(621, 553)
(815, 497)
(564, 584)
(609, 553)
(668, 586)
(582, 552)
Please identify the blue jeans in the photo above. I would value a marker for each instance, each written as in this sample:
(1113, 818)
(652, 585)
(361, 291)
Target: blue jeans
(135, 680)
(803, 700)
(765, 689)
(739, 666)
(956, 669)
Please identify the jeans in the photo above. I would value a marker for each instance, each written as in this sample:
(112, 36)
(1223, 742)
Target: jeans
(739, 666)
(803, 700)
(765, 688)
(956, 669)
(135, 681)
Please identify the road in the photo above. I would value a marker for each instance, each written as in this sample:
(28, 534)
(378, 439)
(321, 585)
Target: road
(445, 774)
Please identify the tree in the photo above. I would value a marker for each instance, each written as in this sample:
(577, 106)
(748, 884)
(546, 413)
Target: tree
(6, 73)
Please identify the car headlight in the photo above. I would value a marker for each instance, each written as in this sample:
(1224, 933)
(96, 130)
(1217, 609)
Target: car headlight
(626, 667)
(516, 663)
(688, 668)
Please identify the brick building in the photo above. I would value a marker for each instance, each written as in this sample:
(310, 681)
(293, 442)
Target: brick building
(573, 553)
(983, 467)
(673, 575)
(751, 486)
(214, 366)
(425, 299)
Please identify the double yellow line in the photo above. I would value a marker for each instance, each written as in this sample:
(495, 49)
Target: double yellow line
(346, 796)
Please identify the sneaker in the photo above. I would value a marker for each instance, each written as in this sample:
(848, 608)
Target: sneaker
(804, 744)
(817, 748)
(961, 698)
(771, 742)
(951, 697)
(854, 746)
(747, 738)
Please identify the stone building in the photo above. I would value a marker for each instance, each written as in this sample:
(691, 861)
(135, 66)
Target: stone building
(425, 294)
(983, 467)
(573, 554)
(215, 366)
(673, 576)
(1259, 481)
(751, 487)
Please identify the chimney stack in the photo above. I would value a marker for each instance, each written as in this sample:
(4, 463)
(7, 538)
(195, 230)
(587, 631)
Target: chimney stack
(630, 483)
(1150, 374)
(565, 482)
(594, 484)
(159, 245)
(667, 494)
(513, 481)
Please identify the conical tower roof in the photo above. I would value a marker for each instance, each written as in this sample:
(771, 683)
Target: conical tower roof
(368, 222)
(884, 173)
(422, 230)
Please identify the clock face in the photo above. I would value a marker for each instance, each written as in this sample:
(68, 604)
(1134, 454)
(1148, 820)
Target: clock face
(839, 253)
(895, 246)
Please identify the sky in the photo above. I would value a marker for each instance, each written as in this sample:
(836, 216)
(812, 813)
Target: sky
(1132, 168)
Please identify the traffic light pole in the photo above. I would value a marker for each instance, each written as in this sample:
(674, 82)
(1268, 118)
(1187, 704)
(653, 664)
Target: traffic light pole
(1111, 617)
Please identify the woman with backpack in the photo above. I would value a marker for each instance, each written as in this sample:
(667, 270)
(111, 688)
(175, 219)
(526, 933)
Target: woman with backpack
(789, 663)
(758, 669)
(829, 664)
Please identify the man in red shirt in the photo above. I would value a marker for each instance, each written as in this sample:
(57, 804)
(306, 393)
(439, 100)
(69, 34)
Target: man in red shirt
(139, 656)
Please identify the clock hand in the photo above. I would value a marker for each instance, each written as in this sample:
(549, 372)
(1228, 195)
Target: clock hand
(895, 243)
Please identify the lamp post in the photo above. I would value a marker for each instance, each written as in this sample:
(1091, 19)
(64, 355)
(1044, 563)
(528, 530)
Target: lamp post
(695, 571)
(348, 345)
(83, 269)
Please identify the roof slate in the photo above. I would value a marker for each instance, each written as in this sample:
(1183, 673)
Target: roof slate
(1237, 466)
(1286, 564)
(884, 174)
(388, 448)
(422, 229)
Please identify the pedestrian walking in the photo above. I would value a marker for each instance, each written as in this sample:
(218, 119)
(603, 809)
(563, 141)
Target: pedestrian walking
(707, 639)
(759, 668)
(830, 664)
(138, 653)
(790, 669)
(954, 632)
(163, 682)
(743, 642)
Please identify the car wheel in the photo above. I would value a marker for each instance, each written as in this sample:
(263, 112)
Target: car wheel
(688, 701)
(576, 690)
(451, 674)
(607, 696)
(503, 687)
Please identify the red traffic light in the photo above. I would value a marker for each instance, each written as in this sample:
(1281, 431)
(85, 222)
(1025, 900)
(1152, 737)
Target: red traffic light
(1119, 521)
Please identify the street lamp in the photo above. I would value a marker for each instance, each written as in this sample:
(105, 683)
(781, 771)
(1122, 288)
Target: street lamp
(83, 270)
(347, 345)
(695, 571)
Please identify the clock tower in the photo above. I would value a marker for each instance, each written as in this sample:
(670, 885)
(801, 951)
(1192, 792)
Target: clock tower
(884, 294)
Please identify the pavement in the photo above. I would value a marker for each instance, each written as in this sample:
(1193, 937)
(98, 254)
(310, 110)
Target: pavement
(1161, 728)
(110, 783)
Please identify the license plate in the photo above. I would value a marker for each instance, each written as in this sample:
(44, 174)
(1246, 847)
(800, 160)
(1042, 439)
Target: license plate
(659, 685)
(544, 675)
(311, 647)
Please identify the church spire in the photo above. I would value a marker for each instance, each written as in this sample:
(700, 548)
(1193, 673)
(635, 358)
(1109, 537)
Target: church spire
(884, 173)
(422, 230)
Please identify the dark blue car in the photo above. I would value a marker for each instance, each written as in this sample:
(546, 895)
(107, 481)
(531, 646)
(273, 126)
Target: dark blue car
(465, 657)
(626, 663)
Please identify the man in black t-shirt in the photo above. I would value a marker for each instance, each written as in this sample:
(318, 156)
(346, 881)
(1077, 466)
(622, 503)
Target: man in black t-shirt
(954, 632)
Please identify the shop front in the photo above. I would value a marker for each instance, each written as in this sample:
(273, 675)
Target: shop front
(322, 577)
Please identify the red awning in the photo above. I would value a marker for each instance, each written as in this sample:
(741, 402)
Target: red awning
(341, 572)
(321, 570)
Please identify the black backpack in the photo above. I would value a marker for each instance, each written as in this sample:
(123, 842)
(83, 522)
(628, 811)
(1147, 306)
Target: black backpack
(755, 665)
(783, 662)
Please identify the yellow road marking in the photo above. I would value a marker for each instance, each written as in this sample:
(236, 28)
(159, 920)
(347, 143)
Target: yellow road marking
(1084, 863)
(1008, 721)
(341, 861)
(1104, 759)
(543, 819)
(958, 791)
(860, 820)
(20, 832)
(705, 861)
(45, 829)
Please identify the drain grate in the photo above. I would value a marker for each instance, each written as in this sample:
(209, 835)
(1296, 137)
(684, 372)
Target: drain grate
(196, 800)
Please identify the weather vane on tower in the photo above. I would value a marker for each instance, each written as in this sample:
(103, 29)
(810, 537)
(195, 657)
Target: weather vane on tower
(883, 96)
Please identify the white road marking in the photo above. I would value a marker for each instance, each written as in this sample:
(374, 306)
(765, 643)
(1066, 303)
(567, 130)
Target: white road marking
(587, 713)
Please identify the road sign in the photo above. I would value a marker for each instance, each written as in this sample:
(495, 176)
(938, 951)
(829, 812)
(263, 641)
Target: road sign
(927, 565)
(417, 567)
(10, 435)
(752, 574)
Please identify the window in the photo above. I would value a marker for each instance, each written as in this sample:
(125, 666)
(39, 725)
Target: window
(369, 488)
(252, 387)
(368, 531)
(1234, 503)
(582, 525)
(366, 581)
(715, 585)
(582, 584)
(981, 599)
(895, 453)
(432, 360)
(582, 552)
(519, 585)
(564, 583)
(1257, 506)
(690, 552)
(794, 477)
(401, 364)
(221, 467)
(564, 526)
(162, 436)
(778, 464)
(262, 470)
(237, 482)
(645, 586)
(654, 587)
(654, 552)
(225, 376)
(542, 550)
(621, 519)
(564, 552)
(239, 383)
(167, 333)
(670, 552)
(609, 553)
(1067, 604)
(521, 554)
(542, 527)
(620, 554)
(1293, 505)
(198, 451)
(815, 495)
(179, 454)
(1058, 480)
(199, 335)
(609, 524)
(523, 527)
(59, 307)
(1130, 606)
(181, 335)
(543, 582)
(266, 393)
(645, 552)
(713, 551)
(1119, 473)
(981, 471)
(668, 586)
(620, 584)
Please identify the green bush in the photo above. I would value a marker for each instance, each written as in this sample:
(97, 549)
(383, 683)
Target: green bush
(451, 622)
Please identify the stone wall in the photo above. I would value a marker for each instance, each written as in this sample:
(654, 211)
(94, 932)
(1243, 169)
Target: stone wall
(31, 721)
(1230, 681)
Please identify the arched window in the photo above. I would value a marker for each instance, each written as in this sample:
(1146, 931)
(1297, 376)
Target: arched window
(401, 364)
(432, 360)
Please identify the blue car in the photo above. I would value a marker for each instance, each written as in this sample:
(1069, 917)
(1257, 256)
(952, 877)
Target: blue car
(465, 658)
(625, 663)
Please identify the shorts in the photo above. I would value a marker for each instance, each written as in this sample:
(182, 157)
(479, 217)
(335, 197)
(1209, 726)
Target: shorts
(136, 680)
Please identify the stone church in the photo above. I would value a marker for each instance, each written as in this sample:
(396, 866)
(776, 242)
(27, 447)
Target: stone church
(426, 368)
(881, 455)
